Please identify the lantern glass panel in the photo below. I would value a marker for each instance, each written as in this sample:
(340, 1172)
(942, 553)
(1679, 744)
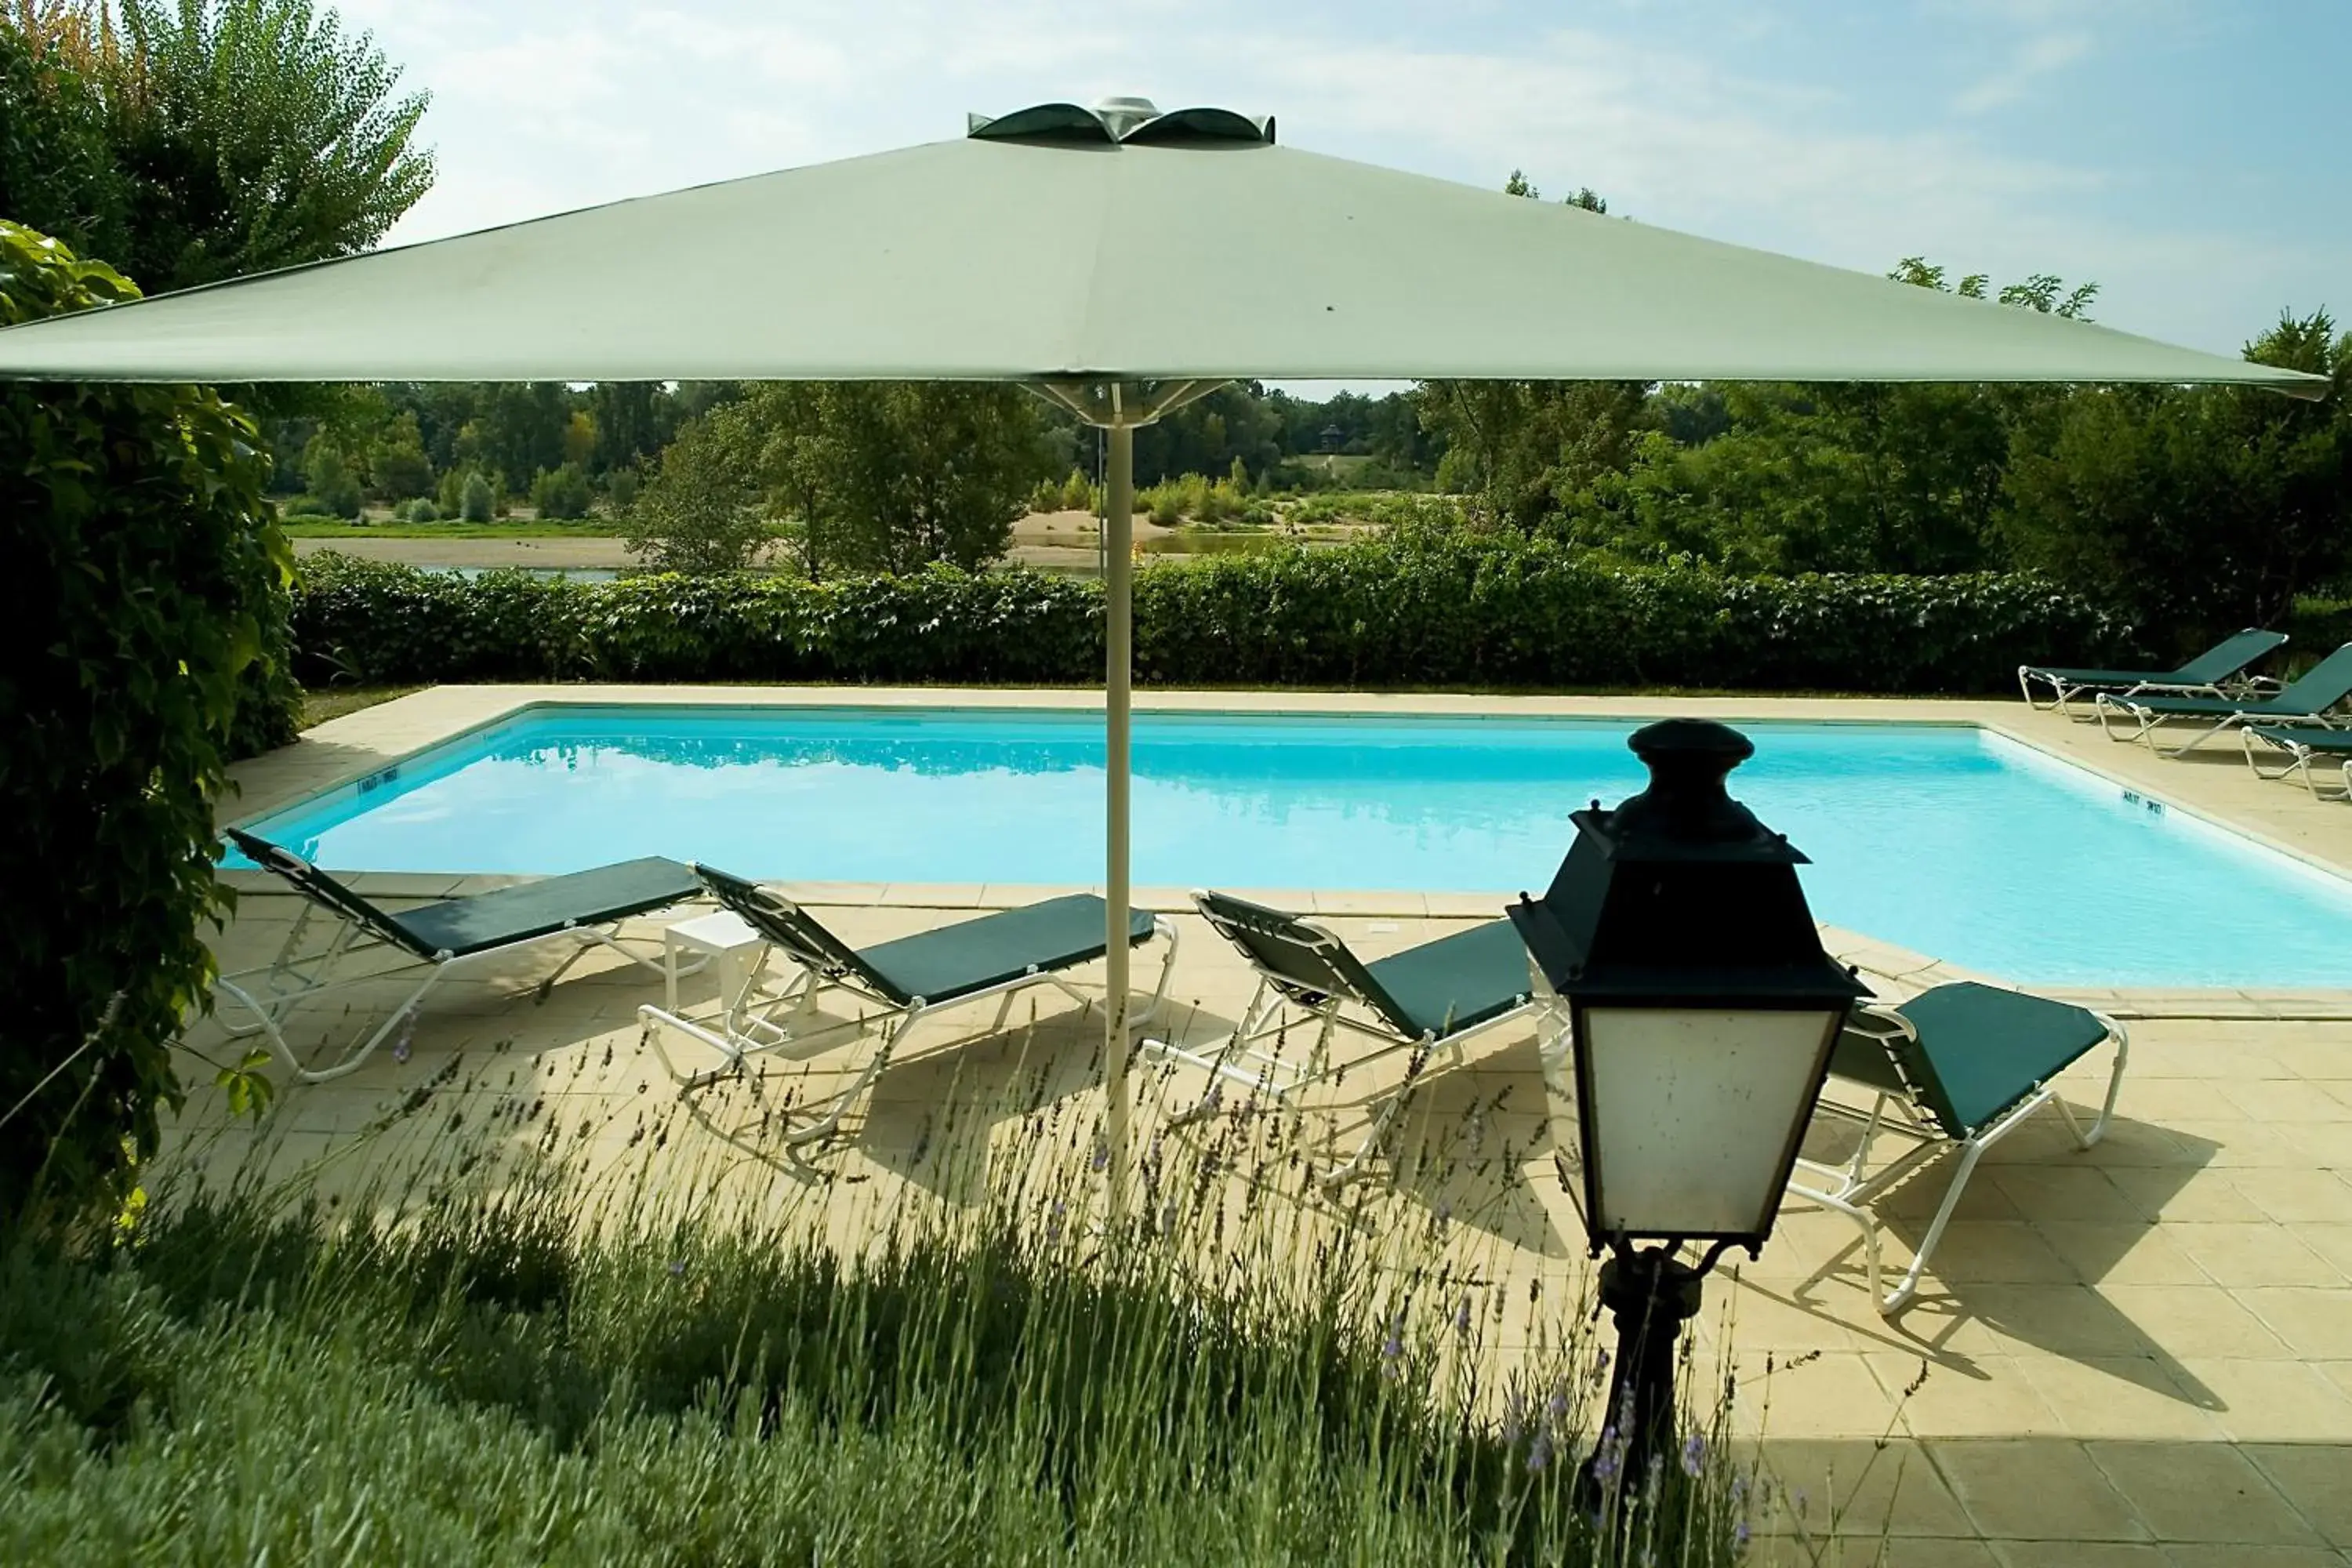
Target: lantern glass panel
(1692, 1110)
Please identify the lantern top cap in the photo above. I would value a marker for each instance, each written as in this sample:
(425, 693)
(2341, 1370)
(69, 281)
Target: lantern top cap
(1681, 742)
(1685, 810)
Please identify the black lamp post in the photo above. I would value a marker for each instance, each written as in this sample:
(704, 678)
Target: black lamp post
(1702, 1010)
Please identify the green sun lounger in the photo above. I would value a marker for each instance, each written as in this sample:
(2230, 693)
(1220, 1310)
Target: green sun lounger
(2303, 748)
(1311, 987)
(584, 909)
(1958, 1068)
(2218, 672)
(2306, 700)
(893, 985)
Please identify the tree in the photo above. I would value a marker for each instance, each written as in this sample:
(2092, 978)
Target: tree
(889, 476)
(146, 579)
(397, 467)
(476, 501)
(2197, 511)
(700, 513)
(330, 477)
(239, 135)
(579, 439)
(628, 428)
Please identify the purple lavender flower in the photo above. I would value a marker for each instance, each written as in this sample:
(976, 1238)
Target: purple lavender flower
(1101, 1157)
(1694, 1454)
(1538, 1452)
(1740, 1535)
(1605, 1457)
(1462, 1317)
(677, 1269)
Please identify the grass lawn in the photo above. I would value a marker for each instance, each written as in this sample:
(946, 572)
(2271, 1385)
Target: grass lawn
(509, 528)
(320, 703)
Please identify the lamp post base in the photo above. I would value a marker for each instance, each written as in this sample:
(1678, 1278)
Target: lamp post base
(1650, 1295)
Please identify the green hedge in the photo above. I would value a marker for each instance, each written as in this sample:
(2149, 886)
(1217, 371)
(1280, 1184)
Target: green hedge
(1456, 613)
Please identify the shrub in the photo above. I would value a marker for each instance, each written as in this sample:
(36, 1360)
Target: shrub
(418, 511)
(150, 622)
(476, 499)
(561, 494)
(308, 506)
(1439, 612)
(621, 489)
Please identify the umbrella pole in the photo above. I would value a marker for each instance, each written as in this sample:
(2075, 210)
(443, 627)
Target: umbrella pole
(1118, 640)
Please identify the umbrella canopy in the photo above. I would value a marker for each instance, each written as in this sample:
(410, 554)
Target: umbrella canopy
(1066, 243)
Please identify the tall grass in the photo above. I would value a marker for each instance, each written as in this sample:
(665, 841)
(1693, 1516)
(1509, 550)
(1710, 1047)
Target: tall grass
(474, 1370)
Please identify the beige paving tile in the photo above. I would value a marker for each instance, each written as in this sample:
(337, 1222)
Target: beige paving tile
(2047, 1193)
(2201, 1492)
(2245, 1556)
(2316, 1323)
(2121, 1396)
(2036, 1490)
(2332, 1242)
(2241, 1256)
(2195, 1321)
(2068, 1319)
(2132, 1253)
(2275, 1401)
(1853, 1487)
(2080, 1554)
(2171, 1195)
(1997, 1252)
(2279, 1099)
(2298, 1197)
(2234, 1145)
(1992, 1396)
(2316, 1478)
(1831, 1394)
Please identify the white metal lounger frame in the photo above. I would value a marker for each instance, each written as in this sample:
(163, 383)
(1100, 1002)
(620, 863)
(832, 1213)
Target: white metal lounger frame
(2145, 720)
(761, 1020)
(2299, 766)
(1906, 1115)
(295, 975)
(1280, 1004)
(2250, 686)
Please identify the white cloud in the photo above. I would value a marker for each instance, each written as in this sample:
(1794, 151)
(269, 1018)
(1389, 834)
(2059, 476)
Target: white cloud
(2034, 58)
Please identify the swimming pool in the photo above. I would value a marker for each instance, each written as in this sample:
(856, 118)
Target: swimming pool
(1945, 839)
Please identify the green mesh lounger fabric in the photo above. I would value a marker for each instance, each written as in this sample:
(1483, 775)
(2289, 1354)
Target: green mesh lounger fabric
(2215, 664)
(893, 985)
(2305, 700)
(952, 961)
(1956, 1067)
(587, 905)
(1981, 1049)
(1429, 996)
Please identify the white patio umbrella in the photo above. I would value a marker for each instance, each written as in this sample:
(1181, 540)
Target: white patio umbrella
(1119, 261)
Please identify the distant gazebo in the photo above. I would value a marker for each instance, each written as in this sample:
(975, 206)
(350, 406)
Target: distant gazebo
(1333, 437)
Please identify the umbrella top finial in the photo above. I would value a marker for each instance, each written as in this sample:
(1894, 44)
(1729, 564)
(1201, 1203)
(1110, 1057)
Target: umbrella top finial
(1121, 120)
(1122, 113)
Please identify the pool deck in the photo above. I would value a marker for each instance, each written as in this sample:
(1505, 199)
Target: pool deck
(2138, 1354)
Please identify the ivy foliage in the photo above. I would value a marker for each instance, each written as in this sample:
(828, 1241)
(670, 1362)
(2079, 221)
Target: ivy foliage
(147, 574)
(1463, 610)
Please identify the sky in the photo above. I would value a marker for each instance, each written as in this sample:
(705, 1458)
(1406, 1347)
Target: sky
(2192, 157)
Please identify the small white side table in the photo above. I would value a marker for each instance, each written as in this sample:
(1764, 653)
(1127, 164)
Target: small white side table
(722, 937)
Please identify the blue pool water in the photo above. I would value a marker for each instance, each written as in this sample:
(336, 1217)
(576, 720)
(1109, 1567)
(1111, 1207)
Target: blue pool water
(1949, 841)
